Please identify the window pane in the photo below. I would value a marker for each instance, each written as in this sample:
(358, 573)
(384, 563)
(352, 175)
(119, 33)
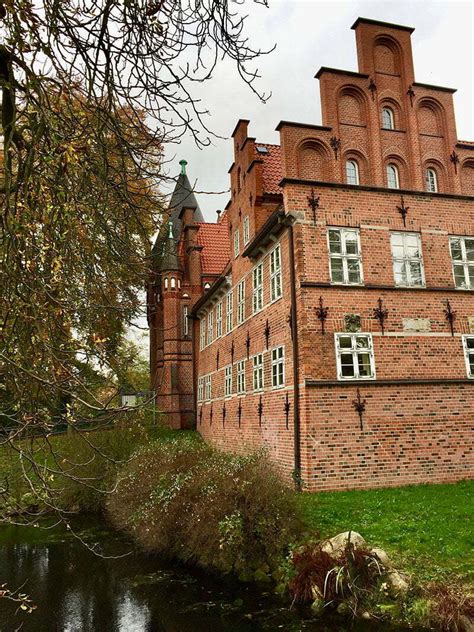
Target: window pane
(364, 365)
(347, 365)
(456, 251)
(470, 343)
(396, 239)
(337, 274)
(415, 273)
(471, 275)
(459, 278)
(469, 243)
(345, 342)
(334, 241)
(353, 270)
(352, 247)
(362, 342)
(400, 273)
(471, 364)
(397, 251)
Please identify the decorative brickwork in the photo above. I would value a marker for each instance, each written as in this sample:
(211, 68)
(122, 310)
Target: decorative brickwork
(338, 285)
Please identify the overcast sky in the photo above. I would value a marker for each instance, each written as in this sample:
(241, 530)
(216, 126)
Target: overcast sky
(309, 34)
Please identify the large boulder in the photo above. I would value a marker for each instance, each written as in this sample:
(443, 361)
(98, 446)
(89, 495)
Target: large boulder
(337, 545)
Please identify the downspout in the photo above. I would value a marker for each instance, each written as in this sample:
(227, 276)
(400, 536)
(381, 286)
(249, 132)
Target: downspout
(296, 368)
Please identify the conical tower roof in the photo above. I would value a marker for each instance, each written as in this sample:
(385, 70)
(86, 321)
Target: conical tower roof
(170, 259)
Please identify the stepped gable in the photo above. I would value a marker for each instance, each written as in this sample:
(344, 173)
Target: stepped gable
(214, 238)
(272, 169)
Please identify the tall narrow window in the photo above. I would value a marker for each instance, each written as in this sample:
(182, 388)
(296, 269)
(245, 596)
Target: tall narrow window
(355, 356)
(229, 306)
(462, 254)
(200, 389)
(275, 273)
(246, 229)
(344, 256)
(258, 372)
(407, 259)
(468, 343)
(278, 367)
(219, 319)
(352, 172)
(202, 338)
(236, 243)
(173, 283)
(228, 380)
(257, 278)
(388, 121)
(431, 181)
(241, 302)
(208, 386)
(185, 321)
(241, 377)
(393, 181)
(210, 327)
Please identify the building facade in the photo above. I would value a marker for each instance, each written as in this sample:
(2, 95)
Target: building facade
(331, 306)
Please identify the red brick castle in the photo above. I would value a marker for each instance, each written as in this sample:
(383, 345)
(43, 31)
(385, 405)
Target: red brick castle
(328, 315)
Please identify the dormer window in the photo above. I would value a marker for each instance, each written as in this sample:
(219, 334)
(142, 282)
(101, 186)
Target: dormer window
(388, 121)
(431, 181)
(352, 172)
(393, 181)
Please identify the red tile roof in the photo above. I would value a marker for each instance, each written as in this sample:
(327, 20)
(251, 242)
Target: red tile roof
(216, 246)
(272, 170)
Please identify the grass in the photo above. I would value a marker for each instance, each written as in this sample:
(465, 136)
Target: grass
(427, 529)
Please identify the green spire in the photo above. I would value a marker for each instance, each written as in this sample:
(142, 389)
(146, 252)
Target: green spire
(183, 164)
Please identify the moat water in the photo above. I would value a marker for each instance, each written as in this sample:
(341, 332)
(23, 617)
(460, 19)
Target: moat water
(125, 590)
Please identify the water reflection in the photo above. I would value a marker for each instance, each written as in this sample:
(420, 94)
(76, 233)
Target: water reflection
(76, 591)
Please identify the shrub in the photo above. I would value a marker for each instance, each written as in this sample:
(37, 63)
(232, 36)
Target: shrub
(183, 499)
(90, 462)
(451, 607)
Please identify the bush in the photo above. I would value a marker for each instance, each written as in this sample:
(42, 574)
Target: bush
(181, 498)
(90, 462)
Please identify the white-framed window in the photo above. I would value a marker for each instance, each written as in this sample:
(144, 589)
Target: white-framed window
(202, 331)
(200, 389)
(462, 255)
(344, 256)
(431, 180)
(352, 172)
(185, 321)
(241, 302)
(258, 372)
(257, 295)
(229, 311)
(219, 319)
(393, 180)
(278, 367)
(228, 380)
(275, 274)
(388, 120)
(355, 357)
(208, 386)
(468, 345)
(246, 230)
(236, 243)
(407, 259)
(210, 327)
(241, 377)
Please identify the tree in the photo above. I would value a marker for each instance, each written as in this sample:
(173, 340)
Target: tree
(91, 92)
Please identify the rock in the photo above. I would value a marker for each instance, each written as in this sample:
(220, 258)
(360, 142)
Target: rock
(337, 545)
(382, 557)
(366, 615)
(397, 584)
(466, 624)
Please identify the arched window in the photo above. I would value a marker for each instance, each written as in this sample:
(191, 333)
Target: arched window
(393, 181)
(388, 121)
(352, 172)
(431, 180)
(173, 283)
(166, 283)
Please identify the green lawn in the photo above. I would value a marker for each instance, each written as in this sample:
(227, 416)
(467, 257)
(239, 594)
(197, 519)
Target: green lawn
(428, 529)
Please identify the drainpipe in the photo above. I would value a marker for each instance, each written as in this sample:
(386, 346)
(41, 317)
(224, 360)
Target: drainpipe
(296, 371)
